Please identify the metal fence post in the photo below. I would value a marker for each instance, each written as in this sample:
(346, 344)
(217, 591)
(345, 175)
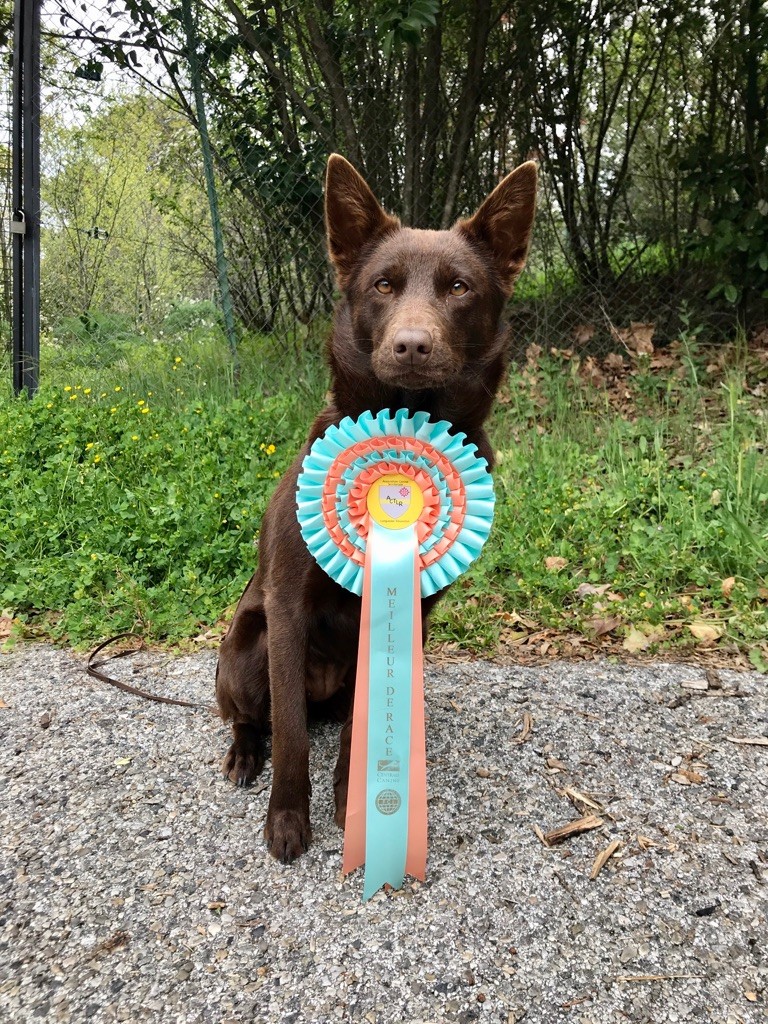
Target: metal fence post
(213, 202)
(25, 224)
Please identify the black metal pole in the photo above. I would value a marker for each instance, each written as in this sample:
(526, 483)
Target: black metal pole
(17, 223)
(26, 196)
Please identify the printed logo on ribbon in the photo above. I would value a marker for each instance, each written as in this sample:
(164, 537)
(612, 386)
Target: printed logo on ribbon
(388, 801)
(395, 501)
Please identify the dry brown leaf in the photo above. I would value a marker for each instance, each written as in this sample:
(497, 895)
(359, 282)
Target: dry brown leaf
(727, 586)
(553, 762)
(585, 590)
(573, 828)
(749, 741)
(602, 858)
(591, 372)
(6, 622)
(614, 362)
(751, 996)
(692, 776)
(582, 333)
(680, 779)
(532, 354)
(555, 563)
(637, 338)
(636, 640)
(605, 625)
(513, 637)
(705, 631)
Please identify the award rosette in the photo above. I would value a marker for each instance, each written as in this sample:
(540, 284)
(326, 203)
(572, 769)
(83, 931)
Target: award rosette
(394, 508)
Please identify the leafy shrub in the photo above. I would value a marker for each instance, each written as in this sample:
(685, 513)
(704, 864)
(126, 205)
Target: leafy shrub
(187, 316)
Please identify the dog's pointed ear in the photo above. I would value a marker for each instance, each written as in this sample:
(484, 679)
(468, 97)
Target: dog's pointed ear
(353, 216)
(503, 223)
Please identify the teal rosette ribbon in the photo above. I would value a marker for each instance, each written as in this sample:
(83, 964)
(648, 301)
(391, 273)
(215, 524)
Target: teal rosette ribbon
(347, 460)
(394, 508)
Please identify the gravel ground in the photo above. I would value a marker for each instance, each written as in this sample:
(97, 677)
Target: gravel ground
(134, 883)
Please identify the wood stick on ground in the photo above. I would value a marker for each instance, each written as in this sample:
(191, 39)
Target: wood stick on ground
(540, 835)
(573, 828)
(575, 1002)
(654, 977)
(603, 857)
(528, 722)
(750, 741)
(581, 800)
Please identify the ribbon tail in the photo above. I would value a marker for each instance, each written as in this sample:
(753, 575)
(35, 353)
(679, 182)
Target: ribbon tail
(354, 825)
(392, 555)
(416, 859)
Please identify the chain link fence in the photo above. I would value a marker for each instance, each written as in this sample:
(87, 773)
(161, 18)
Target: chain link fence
(433, 102)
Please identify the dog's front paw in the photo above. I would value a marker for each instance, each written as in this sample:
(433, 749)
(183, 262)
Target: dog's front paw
(243, 762)
(287, 833)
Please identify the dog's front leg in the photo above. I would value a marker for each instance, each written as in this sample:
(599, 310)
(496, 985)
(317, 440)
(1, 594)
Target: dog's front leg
(287, 830)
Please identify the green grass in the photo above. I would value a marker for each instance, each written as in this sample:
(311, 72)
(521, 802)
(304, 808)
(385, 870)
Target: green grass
(117, 518)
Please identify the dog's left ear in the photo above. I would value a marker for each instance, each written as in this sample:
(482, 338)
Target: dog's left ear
(503, 223)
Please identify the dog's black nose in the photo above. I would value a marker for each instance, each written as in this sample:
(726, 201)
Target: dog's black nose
(412, 346)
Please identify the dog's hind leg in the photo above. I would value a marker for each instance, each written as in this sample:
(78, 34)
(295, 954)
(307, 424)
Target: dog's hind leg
(242, 687)
(341, 771)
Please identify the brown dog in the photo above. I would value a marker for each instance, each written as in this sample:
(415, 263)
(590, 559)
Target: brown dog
(418, 328)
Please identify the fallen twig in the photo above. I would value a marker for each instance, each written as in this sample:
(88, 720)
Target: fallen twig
(528, 723)
(654, 977)
(573, 828)
(602, 858)
(581, 800)
(750, 741)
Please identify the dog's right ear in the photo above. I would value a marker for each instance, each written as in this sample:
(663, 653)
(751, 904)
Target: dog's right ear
(353, 216)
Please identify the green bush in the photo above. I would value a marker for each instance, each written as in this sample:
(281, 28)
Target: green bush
(130, 497)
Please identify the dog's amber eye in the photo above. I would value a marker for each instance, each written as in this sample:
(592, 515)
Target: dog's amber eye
(383, 286)
(459, 288)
